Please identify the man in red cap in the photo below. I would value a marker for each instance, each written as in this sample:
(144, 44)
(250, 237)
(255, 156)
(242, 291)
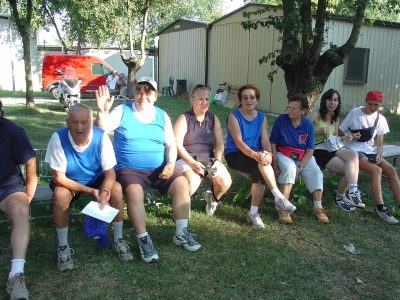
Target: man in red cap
(362, 124)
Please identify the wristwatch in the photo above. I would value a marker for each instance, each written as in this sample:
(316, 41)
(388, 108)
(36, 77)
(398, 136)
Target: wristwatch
(300, 167)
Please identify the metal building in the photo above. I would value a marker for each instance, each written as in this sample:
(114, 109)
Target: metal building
(223, 51)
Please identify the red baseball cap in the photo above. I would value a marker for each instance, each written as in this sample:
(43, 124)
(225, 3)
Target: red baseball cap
(374, 95)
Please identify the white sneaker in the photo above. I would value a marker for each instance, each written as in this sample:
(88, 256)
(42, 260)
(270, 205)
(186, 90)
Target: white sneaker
(186, 240)
(284, 205)
(211, 204)
(255, 220)
(386, 215)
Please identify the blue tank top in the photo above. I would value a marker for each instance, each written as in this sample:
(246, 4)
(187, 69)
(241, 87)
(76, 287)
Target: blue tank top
(83, 167)
(251, 133)
(139, 146)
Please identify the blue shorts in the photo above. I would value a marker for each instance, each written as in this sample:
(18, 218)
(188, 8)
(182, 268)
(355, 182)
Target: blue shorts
(128, 176)
(7, 190)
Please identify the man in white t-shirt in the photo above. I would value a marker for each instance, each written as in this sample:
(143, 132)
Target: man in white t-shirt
(82, 158)
(112, 80)
(362, 124)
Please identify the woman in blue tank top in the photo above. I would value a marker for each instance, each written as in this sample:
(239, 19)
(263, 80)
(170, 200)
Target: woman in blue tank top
(248, 150)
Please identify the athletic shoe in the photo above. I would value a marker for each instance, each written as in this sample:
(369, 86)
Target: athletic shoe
(285, 218)
(284, 205)
(147, 251)
(211, 204)
(122, 248)
(321, 215)
(386, 215)
(255, 220)
(186, 240)
(355, 199)
(16, 287)
(65, 262)
(342, 203)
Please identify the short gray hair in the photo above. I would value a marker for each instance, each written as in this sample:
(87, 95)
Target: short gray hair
(79, 106)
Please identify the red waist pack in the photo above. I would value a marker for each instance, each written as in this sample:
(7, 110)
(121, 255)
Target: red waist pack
(293, 153)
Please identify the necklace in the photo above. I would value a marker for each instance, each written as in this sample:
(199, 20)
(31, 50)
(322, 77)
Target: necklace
(247, 116)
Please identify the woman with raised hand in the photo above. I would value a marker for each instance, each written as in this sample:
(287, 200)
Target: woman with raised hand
(199, 134)
(363, 124)
(248, 150)
(342, 161)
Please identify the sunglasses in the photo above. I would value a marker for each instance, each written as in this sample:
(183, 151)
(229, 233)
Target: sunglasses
(146, 88)
(200, 86)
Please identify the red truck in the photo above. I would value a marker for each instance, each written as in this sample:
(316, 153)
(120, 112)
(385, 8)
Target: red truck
(90, 69)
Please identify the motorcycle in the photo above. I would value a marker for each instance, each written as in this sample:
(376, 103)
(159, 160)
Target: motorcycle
(69, 88)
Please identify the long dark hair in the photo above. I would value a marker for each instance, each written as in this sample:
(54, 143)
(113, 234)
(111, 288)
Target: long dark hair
(323, 110)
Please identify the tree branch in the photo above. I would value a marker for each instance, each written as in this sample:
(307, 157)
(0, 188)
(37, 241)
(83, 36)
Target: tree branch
(319, 29)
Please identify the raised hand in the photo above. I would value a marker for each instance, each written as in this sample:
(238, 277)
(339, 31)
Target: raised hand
(103, 99)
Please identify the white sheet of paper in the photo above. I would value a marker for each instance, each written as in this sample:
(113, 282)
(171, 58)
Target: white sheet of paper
(93, 210)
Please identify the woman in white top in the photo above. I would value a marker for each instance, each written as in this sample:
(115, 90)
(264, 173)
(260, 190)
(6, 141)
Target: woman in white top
(363, 124)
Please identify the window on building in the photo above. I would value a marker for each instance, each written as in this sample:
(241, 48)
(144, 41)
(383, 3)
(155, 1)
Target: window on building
(356, 66)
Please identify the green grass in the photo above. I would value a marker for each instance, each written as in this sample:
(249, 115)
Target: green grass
(305, 260)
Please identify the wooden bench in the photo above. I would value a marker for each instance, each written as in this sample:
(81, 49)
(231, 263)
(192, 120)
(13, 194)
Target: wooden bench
(44, 195)
(391, 152)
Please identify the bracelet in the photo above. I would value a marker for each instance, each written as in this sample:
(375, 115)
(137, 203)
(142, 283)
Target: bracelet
(108, 192)
(217, 159)
(171, 163)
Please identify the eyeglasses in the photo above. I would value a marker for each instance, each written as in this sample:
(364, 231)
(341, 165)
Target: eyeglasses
(252, 98)
(292, 109)
(144, 87)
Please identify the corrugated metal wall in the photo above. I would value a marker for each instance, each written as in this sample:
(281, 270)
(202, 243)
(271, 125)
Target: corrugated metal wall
(233, 56)
(383, 67)
(182, 55)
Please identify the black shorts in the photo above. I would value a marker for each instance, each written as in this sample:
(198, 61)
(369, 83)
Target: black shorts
(241, 162)
(75, 195)
(7, 190)
(128, 176)
(323, 157)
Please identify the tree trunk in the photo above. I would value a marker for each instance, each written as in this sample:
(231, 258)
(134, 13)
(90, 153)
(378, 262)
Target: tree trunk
(30, 101)
(133, 65)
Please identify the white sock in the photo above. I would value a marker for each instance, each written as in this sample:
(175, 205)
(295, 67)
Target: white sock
(17, 266)
(143, 237)
(353, 188)
(317, 204)
(339, 196)
(180, 224)
(277, 193)
(253, 210)
(117, 227)
(62, 236)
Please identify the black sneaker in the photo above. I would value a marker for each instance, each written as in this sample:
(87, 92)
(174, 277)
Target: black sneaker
(386, 215)
(342, 204)
(355, 199)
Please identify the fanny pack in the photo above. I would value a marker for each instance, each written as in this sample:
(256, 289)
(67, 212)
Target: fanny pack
(293, 153)
(366, 133)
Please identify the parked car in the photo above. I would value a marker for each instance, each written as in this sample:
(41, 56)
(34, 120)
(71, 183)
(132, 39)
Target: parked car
(91, 70)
